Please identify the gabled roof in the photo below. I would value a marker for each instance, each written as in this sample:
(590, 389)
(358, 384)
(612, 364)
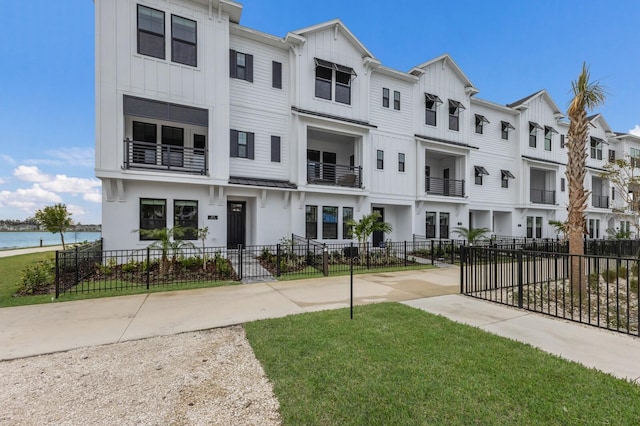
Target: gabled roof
(522, 103)
(446, 59)
(337, 25)
(600, 117)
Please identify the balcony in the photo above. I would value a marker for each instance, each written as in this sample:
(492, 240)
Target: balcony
(153, 156)
(334, 174)
(600, 201)
(445, 187)
(542, 196)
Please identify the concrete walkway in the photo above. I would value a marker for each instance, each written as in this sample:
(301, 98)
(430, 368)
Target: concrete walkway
(40, 329)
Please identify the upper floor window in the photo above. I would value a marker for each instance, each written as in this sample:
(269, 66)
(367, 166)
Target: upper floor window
(479, 172)
(561, 141)
(380, 159)
(454, 114)
(634, 155)
(596, 148)
(401, 162)
(548, 133)
(504, 129)
(276, 75)
(275, 149)
(328, 73)
(431, 104)
(481, 120)
(183, 41)
(242, 144)
(385, 97)
(241, 65)
(612, 155)
(396, 100)
(505, 175)
(533, 134)
(150, 32)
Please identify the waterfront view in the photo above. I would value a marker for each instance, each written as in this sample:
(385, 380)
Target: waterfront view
(11, 240)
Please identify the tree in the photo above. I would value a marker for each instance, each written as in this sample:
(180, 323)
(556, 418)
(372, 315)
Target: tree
(472, 235)
(366, 226)
(586, 96)
(621, 174)
(166, 240)
(561, 228)
(202, 234)
(55, 219)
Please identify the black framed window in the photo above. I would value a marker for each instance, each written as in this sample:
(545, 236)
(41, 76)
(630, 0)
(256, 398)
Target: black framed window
(242, 144)
(276, 75)
(505, 175)
(275, 149)
(153, 215)
(548, 135)
(380, 159)
(241, 65)
(343, 87)
(185, 216)
(534, 227)
(562, 185)
(329, 223)
(562, 141)
(505, 127)
(430, 224)
(596, 148)
(328, 73)
(479, 172)
(311, 222)
(401, 162)
(533, 134)
(173, 136)
(150, 32)
(172, 146)
(184, 41)
(324, 78)
(396, 100)
(444, 225)
(481, 120)
(347, 216)
(385, 97)
(199, 143)
(431, 105)
(454, 114)
(529, 226)
(612, 155)
(144, 132)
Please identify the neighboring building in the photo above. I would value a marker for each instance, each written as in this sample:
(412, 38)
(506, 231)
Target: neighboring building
(202, 122)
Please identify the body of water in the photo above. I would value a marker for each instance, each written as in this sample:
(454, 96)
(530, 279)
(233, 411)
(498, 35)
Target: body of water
(11, 240)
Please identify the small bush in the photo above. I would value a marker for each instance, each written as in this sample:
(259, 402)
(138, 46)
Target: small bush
(593, 281)
(37, 278)
(222, 265)
(107, 269)
(609, 275)
(130, 266)
(622, 271)
(191, 262)
(634, 269)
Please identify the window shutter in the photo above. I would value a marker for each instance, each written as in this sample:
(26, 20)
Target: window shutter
(249, 59)
(232, 65)
(275, 149)
(276, 78)
(234, 143)
(250, 145)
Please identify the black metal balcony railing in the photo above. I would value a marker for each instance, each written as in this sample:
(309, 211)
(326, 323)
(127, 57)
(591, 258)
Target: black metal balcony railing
(154, 156)
(446, 187)
(542, 196)
(600, 201)
(334, 174)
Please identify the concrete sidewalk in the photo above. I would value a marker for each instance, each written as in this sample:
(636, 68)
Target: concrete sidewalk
(40, 329)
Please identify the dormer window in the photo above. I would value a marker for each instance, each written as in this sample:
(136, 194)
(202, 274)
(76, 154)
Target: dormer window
(481, 120)
(326, 74)
(596, 148)
(431, 104)
(504, 129)
(454, 114)
(533, 134)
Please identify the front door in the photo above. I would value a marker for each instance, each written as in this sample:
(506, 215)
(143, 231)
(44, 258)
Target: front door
(236, 223)
(378, 236)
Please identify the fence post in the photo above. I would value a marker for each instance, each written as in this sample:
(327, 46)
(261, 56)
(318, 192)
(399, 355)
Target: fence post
(368, 254)
(463, 258)
(405, 254)
(77, 277)
(278, 260)
(325, 260)
(432, 258)
(520, 278)
(240, 267)
(148, 266)
(57, 274)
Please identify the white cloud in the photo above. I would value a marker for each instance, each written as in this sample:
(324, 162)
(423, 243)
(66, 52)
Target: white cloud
(28, 199)
(93, 197)
(8, 159)
(74, 156)
(635, 130)
(30, 174)
(76, 211)
(62, 183)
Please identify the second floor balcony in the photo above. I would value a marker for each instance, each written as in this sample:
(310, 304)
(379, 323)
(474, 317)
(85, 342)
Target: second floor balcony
(600, 201)
(161, 157)
(445, 187)
(543, 196)
(334, 174)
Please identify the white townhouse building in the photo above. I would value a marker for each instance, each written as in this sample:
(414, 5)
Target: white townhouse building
(201, 122)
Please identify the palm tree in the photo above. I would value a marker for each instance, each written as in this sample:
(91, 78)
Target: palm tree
(366, 226)
(586, 96)
(472, 235)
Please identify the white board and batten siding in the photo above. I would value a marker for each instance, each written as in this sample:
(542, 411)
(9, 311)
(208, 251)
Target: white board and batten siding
(390, 181)
(387, 118)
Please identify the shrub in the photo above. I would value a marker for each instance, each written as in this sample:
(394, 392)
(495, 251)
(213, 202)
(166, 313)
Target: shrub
(222, 265)
(107, 269)
(634, 269)
(622, 271)
(191, 262)
(38, 277)
(609, 275)
(593, 281)
(130, 266)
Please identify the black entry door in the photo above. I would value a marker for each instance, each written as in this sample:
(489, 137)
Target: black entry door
(236, 221)
(378, 236)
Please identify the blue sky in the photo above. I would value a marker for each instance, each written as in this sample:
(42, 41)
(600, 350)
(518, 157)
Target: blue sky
(508, 49)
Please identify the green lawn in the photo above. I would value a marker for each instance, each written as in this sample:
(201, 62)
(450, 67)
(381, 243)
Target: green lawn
(396, 365)
(338, 270)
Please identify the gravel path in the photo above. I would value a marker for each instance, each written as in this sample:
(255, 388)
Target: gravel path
(203, 378)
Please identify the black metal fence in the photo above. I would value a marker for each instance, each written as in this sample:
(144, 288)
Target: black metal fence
(592, 289)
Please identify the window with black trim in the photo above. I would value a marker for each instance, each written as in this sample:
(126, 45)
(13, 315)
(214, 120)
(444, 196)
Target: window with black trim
(596, 148)
(241, 65)
(275, 149)
(562, 142)
(548, 134)
(481, 120)
(184, 41)
(347, 216)
(150, 32)
(533, 134)
(612, 155)
(444, 225)
(276, 75)
(505, 175)
(326, 74)
(534, 221)
(242, 144)
(505, 126)
(145, 152)
(401, 162)
(185, 216)
(153, 216)
(379, 159)
(172, 146)
(479, 172)
(396, 100)
(385, 97)
(454, 114)
(329, 223)
(311, 222)
(430, 224)
(562, 184)
(431, 103)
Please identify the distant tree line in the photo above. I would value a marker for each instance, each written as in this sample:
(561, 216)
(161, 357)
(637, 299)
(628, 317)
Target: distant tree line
(31, 225)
